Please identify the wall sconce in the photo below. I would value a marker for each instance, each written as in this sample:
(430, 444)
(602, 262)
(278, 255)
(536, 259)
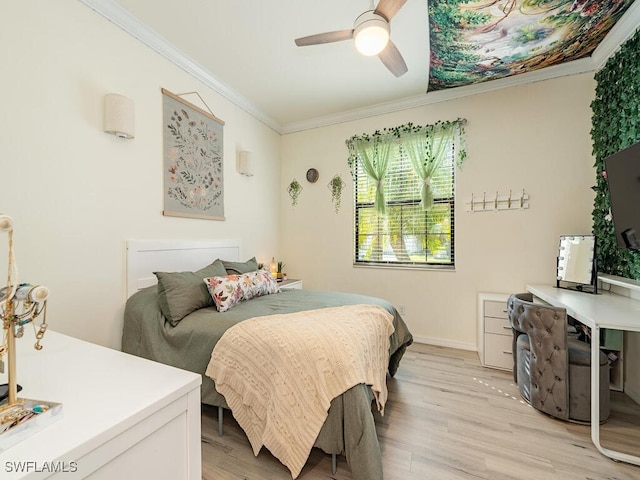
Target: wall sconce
(245, 163)
(119, 115)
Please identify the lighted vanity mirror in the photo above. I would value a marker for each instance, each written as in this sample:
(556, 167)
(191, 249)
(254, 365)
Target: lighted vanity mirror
(577, 263)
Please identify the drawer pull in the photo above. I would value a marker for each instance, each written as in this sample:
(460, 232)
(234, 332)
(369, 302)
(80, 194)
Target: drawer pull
(507, 353)
(506, 328)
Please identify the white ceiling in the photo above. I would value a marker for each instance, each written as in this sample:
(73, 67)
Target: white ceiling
(245, 50)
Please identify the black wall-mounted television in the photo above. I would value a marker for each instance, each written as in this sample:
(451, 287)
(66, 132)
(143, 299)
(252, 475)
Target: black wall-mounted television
(623, 178)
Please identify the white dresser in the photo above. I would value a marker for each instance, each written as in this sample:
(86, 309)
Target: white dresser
(494, 332)
(122, 416)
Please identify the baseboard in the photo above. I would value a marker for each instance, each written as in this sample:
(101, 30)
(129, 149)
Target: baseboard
(633, 394)
(441, 342)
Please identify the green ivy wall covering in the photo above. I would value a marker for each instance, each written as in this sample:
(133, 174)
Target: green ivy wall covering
(615, 125)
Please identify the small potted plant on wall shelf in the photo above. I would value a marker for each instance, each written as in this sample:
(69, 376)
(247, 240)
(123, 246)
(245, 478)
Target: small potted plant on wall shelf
(280, 274)
(336, 185)
(294, 190)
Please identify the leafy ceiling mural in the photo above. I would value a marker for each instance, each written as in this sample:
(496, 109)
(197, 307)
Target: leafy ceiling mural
(476, 41)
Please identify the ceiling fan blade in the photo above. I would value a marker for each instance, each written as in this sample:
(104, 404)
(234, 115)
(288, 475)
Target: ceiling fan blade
(388, 8)
(327, 37)
(392, 59)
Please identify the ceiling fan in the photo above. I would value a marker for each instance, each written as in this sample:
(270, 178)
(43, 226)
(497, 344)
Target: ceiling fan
(371, 34)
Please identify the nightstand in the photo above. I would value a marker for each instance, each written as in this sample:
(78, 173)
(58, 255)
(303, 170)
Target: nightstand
(291, 284)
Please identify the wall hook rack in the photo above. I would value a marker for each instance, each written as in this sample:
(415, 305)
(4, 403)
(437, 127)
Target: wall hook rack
(494, 202)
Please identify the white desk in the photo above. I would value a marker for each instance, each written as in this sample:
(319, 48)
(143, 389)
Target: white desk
(122, 416)
(605, 310)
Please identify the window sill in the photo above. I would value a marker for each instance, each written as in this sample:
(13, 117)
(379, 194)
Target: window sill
(394, 266)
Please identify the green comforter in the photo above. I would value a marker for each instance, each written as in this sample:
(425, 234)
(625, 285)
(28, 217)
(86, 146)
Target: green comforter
(349, 428)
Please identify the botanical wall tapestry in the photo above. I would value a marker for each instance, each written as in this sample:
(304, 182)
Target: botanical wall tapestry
(193, 181)
(476, 41)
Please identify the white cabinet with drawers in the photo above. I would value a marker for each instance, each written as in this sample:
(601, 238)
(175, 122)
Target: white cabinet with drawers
(494, 332)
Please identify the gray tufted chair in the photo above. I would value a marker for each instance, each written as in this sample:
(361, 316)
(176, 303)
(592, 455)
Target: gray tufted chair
(553, 370)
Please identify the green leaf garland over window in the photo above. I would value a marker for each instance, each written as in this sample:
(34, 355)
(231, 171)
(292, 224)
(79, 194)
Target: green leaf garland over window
(424, 145)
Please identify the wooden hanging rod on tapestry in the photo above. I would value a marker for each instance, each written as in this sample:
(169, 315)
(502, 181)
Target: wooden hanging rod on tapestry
(178, 97)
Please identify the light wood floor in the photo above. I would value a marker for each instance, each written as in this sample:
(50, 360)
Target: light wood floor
(449, 418)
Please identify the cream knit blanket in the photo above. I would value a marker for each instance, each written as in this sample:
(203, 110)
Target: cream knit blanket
(279, 373)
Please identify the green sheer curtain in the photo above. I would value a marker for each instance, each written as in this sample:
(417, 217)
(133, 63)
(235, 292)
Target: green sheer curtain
(374, 153)
(426, 148)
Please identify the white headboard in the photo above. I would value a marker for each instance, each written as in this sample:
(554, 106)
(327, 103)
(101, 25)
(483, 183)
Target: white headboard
(147, 256)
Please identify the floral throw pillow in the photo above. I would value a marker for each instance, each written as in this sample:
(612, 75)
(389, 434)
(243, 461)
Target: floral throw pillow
(227, 291)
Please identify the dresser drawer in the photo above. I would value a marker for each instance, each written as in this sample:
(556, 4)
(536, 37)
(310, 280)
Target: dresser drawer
(497, 351)
(495, 309)
(499, 326)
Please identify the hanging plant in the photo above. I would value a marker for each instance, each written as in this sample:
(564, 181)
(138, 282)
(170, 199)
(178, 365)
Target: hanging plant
(294, 190)
(336, 185)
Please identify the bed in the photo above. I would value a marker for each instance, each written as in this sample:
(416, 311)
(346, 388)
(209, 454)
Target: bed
(349, 428)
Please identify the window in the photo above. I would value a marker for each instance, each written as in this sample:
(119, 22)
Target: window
(404, 204)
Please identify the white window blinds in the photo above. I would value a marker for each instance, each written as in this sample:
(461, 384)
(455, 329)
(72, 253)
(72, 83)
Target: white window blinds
(416, 226)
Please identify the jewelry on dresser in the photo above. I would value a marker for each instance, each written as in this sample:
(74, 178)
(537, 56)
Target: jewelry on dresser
(20, 304)
(3, 349)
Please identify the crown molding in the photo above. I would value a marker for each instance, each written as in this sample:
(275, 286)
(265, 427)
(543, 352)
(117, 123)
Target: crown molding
(134, 27)
(622, 31)
(355, 114)
(572, 68)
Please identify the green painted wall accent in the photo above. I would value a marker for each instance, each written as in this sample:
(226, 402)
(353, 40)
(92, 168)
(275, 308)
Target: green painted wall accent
(615, 125)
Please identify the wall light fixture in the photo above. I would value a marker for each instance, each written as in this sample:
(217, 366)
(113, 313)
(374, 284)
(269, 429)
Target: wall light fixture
(119, 118)
(245, 163)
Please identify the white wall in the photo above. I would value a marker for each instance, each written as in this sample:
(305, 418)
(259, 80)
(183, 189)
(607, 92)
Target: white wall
(77, 194)
(534, 137)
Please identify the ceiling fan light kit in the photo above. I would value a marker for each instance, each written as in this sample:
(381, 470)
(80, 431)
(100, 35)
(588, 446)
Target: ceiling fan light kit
(370, 33)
